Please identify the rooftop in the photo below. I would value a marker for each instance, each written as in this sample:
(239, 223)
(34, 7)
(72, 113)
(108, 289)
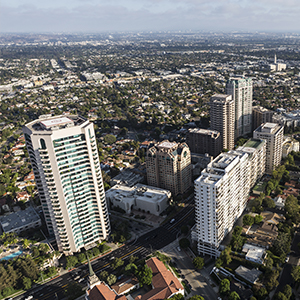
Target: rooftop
(254, 143)
(48, 123)
(19, 219)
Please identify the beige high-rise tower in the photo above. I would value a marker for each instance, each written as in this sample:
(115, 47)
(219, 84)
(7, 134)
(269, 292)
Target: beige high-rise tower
(169, 167)
(64, 158)
(222, 118)
(273, 134)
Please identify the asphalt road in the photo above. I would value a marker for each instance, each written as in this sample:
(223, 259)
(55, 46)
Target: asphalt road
(294, 256)
(142, 247)
(200, 282)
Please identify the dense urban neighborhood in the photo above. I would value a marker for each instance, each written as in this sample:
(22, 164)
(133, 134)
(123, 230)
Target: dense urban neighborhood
(150, 166)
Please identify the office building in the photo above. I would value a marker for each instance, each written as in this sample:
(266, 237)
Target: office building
(261, 115)
(240, 89)
(168, 167)
(147, 198)
(204, 141)
(65, 162)
(222, 190)
(222, 118)
(273, 134)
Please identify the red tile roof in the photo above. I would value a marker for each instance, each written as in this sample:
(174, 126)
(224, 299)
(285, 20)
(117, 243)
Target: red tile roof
(164, 282)
(103, 292)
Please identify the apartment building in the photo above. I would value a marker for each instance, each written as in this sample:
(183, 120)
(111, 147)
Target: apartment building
(204, 141)
(261, 115)
(273, 134)
(222, 190)
(64, 158)
(168, 166)
(240, 89)
(222, 118)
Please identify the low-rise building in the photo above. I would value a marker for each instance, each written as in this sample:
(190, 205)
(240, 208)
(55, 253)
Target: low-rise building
(150, 199)
(250, 275)
(164, 283)
(125, 286)
(20, 221)
(128, 178)
(254, 253)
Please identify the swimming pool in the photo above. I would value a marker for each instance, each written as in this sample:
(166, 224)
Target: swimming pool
(10, 256)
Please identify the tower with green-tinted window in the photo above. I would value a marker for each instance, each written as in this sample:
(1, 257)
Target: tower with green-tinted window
(64, 158)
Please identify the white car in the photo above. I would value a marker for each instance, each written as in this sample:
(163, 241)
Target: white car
(178, 248)
(29, 297)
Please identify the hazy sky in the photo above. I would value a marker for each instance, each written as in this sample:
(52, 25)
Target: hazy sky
(138, 15)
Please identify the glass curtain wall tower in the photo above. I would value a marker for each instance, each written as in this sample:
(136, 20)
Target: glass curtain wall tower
(64, 158)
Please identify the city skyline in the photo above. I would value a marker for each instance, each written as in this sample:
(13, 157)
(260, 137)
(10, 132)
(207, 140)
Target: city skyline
(98, 16)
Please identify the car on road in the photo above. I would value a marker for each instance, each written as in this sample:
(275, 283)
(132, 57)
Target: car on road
(172, 221)
(287, 259)
(29, 297)
(81, 279)
(178, 248)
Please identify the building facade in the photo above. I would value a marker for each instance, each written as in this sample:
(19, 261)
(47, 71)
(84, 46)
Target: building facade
(240, 89)
(261, 115)
(273, 134)
(151, 199)
(204, 141)
(222, 118)
(168, 167)
(222, 190)
(64, 158)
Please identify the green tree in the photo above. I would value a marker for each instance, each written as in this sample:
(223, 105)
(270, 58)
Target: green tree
(177, 297)
(288, 292)
(131, 268)
(296, 273)
(262, 293)
(196, 297)
(280, 296)
(225, 256)
(103, 276)
(81, 257)
(111, 279)
(258, 219)
(74, 291)
(248, 220)
(144, 275)
(109, 139)
(198, 262)
(224, 288)
(26, 283)
(43, 248)
(117, 262)
(234, 296)
(26, 244)
(51, 271)
(72, 261)
(268, 202)
(184, 243)
(292, 208)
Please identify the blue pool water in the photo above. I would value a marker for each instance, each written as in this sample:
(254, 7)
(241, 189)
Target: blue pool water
(10, 256)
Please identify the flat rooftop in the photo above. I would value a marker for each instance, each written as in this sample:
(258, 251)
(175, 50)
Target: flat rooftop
(167, 145)
(254, 143)
(19, 219)
(204, 131)
(48, 123)
(56, 122)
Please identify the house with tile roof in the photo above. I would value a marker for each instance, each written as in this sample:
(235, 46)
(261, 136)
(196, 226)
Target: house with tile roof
(164, 283)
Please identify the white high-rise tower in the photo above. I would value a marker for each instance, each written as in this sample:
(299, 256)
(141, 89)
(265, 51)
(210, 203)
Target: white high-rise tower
(64, 158)
(240, 89)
